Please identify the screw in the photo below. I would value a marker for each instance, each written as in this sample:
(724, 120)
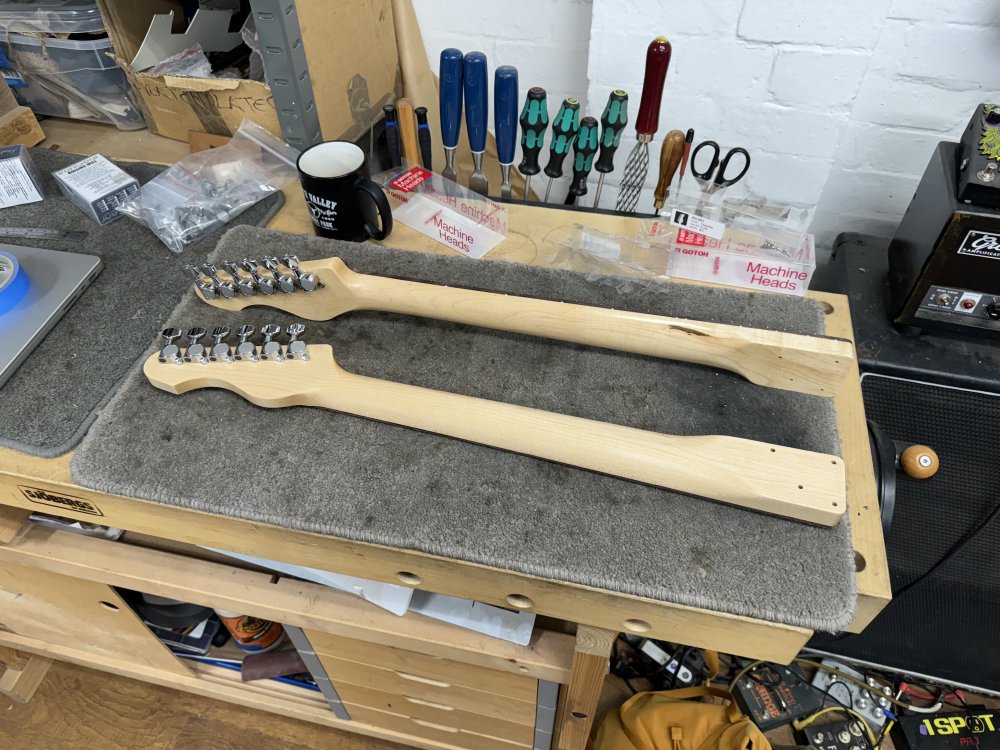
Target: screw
(266, 286)
(220, 350)
(223, 287)
(271, 349)
(296, 347)
(245, 350)
(247, 289)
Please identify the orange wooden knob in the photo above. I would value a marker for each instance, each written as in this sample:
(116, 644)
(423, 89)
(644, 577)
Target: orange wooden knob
(919, 462)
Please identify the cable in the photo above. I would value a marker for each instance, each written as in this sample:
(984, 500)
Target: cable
(832, 685)
(849, 678)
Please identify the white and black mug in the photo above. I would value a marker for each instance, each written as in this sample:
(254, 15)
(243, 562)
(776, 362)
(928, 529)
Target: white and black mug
(343, 202)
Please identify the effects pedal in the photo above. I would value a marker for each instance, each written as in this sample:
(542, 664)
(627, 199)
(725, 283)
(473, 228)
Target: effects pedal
(975, 728)
(869, 703)
(838, 735)
(776, 697)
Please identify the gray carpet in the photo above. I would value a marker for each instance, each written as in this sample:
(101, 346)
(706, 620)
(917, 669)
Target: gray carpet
(51, 400)
(357, 479)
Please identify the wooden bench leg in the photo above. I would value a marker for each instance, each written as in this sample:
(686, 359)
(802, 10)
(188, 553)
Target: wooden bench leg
(20, 683)
(11, 521)
(578, 701)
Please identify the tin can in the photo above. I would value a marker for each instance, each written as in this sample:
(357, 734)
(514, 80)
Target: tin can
(250, 633)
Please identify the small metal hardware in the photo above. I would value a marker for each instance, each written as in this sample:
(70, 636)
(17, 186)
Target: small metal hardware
(271, 349)
(285, 282)
(221, 351)
(989, 173)
(207, 290)
(307, 281)
(246, 350)
(265, 285)
(195, 351)
(245, 286)
(296, 348)
(225, 288)
(170, 351)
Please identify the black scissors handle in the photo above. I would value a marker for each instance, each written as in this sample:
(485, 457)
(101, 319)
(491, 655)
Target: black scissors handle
(716, 172)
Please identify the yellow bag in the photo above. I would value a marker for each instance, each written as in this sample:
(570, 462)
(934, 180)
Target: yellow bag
(667, 720)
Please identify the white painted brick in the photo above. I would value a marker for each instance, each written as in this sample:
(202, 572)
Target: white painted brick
(845, 24)
(885, 149)
(520, 20)
(783, 130)
(984, 12)
(650, 18)
(868, 193)
(957, 56)
(726, 68)
(551, 66)
(827, 80)
(900, 102)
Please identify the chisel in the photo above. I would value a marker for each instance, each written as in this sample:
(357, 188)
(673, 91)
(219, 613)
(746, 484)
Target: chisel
(423, 136)
(564, 130)
(477, 106)
(534, 121)
(505, 121)
(391, 134)
(688, 139)
(450, 73)
(670, 157)
(613, 122)
(584, 148)
(408, 132)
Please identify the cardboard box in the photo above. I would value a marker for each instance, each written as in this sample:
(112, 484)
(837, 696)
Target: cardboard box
(18, 125)
(350, 48)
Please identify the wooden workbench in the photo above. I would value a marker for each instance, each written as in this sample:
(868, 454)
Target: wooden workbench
(598, 613)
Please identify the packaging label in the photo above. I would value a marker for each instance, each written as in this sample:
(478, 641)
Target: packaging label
(698, 224)
(981, 244)
(16, 186)
(94, 178)
(686, 237)
(410, 179)
(58, 500)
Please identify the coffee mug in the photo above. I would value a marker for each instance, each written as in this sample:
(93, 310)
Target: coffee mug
(343, 203)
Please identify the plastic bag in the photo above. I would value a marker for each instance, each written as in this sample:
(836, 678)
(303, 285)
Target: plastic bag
(204, 191)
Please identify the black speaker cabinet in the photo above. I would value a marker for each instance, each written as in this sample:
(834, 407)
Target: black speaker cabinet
(943, 547)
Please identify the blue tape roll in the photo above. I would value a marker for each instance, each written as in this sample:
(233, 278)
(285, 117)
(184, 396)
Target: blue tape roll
(13, 282)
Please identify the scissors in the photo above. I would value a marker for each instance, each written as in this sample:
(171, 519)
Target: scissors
(715, 177)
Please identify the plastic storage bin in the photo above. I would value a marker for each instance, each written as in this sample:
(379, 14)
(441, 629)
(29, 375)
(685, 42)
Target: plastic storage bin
(71, 78)
(50, 17)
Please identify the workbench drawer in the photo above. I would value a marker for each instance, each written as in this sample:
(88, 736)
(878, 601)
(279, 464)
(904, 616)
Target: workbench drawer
(423, 665)
(437, 713)
(436, 732)
(348, 676)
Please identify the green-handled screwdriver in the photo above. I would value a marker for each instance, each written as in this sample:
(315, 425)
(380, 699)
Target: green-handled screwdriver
(564, 130)
(584, 149)
(534, 120)
(612, 123)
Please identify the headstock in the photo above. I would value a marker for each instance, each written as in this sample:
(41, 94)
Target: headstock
(268, 373)
(314, 290)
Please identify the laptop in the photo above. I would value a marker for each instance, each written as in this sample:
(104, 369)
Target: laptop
(55, 281)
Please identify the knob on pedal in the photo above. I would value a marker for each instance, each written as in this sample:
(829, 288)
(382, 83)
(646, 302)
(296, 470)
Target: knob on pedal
(919, 462)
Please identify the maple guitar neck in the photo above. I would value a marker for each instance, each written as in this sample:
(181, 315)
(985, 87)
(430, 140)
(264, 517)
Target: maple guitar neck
(798, 484)
(806, 364)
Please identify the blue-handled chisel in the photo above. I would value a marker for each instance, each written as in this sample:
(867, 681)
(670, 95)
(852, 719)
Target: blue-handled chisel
(474, 85)
(505, 121)
(450, 74)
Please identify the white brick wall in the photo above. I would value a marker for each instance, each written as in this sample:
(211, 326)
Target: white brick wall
(840, 104)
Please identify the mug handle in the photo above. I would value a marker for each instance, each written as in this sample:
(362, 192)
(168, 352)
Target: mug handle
(381, 205)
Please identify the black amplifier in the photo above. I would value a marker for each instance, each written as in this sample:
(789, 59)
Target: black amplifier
(944, 260)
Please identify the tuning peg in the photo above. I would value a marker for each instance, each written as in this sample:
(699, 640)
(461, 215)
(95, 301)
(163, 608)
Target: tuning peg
(296, 348)
(246, 351)
(195, 351)
(271, 349)
(170, 351)
(207, 290)
(265, 285)
(224, 288)
(285, 282)
(307, 281)
(245, 287)
(220, 350)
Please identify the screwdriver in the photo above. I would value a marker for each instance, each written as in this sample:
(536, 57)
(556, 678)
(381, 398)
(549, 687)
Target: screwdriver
(670, 156)
(423, 136)
(534, 120)
(391, 134)
(505, 121)
(612, 123)
(687, 155)
(564, 130)
(584, 149)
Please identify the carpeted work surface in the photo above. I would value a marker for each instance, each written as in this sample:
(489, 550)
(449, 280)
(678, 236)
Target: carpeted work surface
(53, 397)
(353, 478)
